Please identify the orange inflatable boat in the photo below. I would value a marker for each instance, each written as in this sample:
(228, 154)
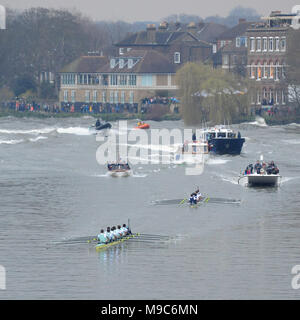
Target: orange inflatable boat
(142, 126)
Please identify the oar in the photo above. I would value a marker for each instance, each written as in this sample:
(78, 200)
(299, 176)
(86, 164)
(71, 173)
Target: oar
(183, 201)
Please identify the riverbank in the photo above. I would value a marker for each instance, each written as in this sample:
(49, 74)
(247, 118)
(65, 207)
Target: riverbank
(103, 116)
(277, 121)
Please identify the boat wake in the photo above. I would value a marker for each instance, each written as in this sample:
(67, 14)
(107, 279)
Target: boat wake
(11, 141)
(79, 131)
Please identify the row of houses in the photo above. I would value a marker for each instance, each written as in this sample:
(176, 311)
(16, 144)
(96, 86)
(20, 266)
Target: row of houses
(145, 63)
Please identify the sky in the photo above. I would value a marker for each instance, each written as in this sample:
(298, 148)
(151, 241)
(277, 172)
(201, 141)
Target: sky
(152, 10)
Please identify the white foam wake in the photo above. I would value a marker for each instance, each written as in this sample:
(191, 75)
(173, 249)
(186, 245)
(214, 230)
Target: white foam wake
(75, 130)
(11, 141)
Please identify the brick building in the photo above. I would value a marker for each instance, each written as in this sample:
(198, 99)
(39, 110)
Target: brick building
(267, 50)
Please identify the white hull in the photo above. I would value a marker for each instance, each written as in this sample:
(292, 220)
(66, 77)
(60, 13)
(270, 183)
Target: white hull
(263, 179)
(120, 173)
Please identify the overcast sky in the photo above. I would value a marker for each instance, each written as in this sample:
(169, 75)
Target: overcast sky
(137, 10)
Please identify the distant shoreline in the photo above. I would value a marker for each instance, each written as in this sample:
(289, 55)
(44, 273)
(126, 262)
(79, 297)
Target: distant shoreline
(270, 121)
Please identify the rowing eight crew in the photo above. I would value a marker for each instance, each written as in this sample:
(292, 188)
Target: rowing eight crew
(195, 197)
(113, 234)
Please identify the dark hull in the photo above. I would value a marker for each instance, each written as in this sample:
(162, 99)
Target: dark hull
(104, 126)
(226, 146)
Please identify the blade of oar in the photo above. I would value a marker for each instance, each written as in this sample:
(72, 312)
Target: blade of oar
(183, 201)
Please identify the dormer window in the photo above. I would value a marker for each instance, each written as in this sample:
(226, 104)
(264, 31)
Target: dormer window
(130, 63)
(177, 57)
(112, 63)
(121, 63)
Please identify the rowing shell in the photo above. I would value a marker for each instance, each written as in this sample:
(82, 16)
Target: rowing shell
(102, 246)
(202, 200)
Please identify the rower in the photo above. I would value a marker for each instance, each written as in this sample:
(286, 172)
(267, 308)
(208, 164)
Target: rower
(193, 198)
(102, 237)
(120, 231)
(109, 235)
(198, 195)
(124, 230)
(115, 233)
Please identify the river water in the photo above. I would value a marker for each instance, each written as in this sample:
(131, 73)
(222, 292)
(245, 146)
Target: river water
(52, 190)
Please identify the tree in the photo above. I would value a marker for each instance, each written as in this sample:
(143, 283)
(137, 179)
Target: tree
(209, 94)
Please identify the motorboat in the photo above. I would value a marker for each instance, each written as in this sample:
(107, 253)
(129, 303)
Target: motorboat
(223, 140)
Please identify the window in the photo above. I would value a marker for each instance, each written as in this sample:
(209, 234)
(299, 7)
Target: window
(265, 70)
(271, 75)
(103, 97)
(223, 43)
(243, 41)
(131, 97)
(128, 49)
(122, 97)
(276, 97)
(277, 44)
(113, 80)
(73, 96)
(121, 63)
(123, 80)
(111, 97)
(252, 44)
(265, 44)
(283, 97)
(130, 63)
(177, 57)
(95, 96)
(277, 71)
(252, 70)
(87, 96)
(116, 97)
(271, 45)
(259, 71)
(283, 44)
(132, 80)
(214, 48)
(225, 59)
(147, 80)
(112, 63)
(283, 70)
(66, 96)
(121, 51)
(238, 42)
(258, 44)
(258, 97)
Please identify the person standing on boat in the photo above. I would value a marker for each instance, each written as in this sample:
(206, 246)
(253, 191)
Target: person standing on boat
(102, 237)
(98, 123)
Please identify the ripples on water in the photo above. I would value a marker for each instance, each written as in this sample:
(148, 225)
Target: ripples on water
(53, 189)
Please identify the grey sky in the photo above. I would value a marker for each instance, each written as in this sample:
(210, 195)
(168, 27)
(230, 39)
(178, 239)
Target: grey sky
(137, 10)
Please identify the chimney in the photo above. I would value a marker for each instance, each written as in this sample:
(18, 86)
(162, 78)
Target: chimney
(242, 20)
(192, 27)
(151, 29)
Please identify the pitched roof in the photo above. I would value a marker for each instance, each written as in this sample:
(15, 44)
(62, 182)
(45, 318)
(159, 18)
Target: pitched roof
(161, 38)
(85, 64)
(238, 30)
(145, 61)
(210, 31)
